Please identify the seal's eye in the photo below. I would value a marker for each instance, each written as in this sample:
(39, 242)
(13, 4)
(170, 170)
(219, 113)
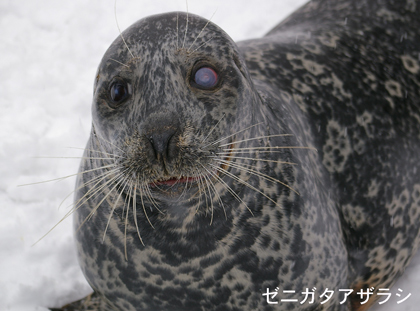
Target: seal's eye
(118, 92)
(206, 78)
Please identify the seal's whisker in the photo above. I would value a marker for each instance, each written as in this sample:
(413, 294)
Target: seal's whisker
(83, 158)
(74, 208)
(68, 176)
(214, 187)
(84, 185)
(99, 204)
(49, 231)
(227, 173)
(150, 197)
(201, 190)
(217, 193)
(112, 155)
(256, 138)
(93, 191)
(98, 189)
(272, 147)
(135, 213)
(184, 191)
(120, 62)
(202, 45)
(185, 185)
(144, 208)
(217, 196)
(231, 135)
(106, 172)
(211, 200)
(127, 202)
(100, 177)
(257, 173)
(119, 30)
(122, 178)
(108, 142)
(205, 26)
(208, 196)
(186, 27)
(211, 131)
(253, 159)
(247, 152)
(232, 192)
(127, 198)
(113, 208)
(199, 184)
(69, 213)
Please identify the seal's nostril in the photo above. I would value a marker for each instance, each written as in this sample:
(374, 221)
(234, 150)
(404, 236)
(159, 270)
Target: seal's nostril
(160, 142)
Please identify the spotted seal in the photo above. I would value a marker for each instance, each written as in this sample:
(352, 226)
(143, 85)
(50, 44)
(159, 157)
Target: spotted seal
(237, 176)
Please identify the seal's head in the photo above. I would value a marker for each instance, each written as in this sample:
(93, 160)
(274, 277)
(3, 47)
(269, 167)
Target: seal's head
(166, 102)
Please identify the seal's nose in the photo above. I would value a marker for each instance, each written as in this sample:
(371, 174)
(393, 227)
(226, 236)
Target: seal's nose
(161, 131)
(160, 142)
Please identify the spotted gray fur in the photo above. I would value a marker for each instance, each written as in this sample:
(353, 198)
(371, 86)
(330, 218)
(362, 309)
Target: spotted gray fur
(262, 209)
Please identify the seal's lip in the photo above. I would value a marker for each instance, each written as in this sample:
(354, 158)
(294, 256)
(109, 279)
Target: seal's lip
(173, 181)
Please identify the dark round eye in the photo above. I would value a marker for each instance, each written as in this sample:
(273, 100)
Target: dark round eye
(206, 78)
(118, 92)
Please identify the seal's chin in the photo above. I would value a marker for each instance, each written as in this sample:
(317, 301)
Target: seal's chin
(173, 187)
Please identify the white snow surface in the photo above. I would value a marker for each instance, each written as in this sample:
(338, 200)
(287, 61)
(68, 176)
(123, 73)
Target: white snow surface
(49, 54)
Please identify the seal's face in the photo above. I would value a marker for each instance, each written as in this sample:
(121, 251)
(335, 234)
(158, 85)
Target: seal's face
(167, 103)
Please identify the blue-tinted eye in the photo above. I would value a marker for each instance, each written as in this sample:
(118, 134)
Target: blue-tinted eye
(118, 92)
(206, 77)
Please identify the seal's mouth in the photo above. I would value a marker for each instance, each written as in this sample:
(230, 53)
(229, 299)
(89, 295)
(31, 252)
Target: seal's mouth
(172, 181)
(191, 180)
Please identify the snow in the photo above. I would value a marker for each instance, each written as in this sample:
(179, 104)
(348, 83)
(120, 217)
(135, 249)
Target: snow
(49, 54)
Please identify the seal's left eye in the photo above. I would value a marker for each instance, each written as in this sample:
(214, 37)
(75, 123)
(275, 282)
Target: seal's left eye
(206, 78)
(118, 92)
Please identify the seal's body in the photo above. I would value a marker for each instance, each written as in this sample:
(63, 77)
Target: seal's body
(223, 176)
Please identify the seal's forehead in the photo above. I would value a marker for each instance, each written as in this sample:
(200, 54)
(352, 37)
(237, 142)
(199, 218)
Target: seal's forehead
(170, 31)
(174, 24)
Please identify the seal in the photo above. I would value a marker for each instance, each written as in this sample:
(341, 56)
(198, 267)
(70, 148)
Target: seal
(267, 174)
